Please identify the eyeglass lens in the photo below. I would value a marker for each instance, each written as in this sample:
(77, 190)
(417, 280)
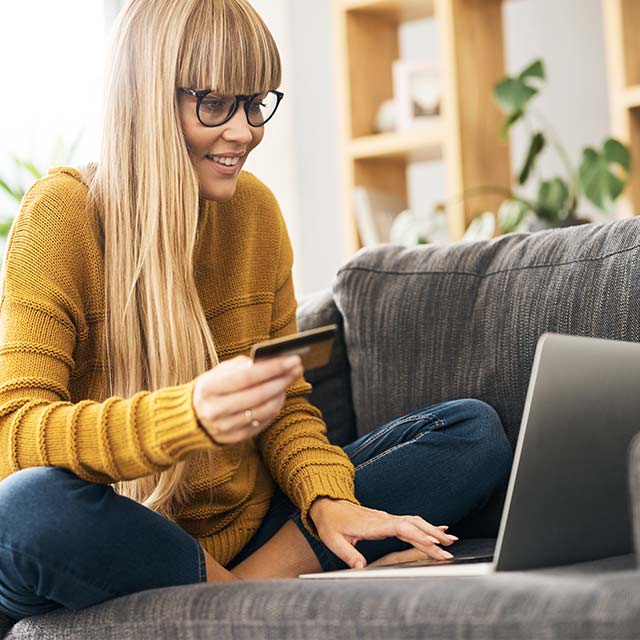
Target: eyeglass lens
(214, 108)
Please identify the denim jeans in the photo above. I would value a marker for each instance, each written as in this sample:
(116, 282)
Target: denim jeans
(441, 463)
(66, 542)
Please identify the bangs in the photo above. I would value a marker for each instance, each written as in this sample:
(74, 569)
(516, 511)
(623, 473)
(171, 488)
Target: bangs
(227, 48)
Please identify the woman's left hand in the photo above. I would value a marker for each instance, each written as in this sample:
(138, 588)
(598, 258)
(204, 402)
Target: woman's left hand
(341, 524)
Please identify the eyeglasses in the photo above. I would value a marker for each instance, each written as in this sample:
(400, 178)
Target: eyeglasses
(214, 109)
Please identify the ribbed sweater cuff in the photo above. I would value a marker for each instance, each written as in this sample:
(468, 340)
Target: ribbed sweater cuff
(328, 484)
(177, 429)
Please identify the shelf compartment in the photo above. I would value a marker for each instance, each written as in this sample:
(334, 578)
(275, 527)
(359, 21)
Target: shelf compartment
(420, 144)
(396, 10)
(631, 97)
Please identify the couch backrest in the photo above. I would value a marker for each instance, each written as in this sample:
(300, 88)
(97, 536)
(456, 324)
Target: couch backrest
(432, 323)
(331, 384)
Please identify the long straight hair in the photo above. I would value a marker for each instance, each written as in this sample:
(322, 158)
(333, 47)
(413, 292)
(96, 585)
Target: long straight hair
(144, 192)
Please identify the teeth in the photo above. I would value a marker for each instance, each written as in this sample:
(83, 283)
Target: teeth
(229, 162)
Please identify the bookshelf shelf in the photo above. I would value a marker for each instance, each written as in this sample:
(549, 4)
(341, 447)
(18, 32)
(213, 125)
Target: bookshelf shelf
(622, 24)
(397, 10)
(631, 97)
(419, 145)
(466, 136)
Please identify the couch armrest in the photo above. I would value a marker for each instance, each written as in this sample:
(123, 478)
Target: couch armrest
(332, 383)
(634, 490)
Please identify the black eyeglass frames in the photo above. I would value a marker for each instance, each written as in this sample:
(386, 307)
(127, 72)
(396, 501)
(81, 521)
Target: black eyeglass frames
(214, 109)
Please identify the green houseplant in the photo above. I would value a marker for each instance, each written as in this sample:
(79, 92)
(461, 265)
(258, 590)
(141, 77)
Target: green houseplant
(600, 178)
(26, 172)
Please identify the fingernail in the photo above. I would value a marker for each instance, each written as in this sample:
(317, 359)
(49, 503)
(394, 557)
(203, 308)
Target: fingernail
(447, 554)
(359, 564)
(432, 539)
(453, 537)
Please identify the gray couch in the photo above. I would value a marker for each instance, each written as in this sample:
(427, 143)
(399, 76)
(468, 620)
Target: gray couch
(419, 326)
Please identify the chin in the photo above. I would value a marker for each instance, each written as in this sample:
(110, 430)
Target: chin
(219, 195)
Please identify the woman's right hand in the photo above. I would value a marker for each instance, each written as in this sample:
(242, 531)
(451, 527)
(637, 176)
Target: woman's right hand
(222, 394)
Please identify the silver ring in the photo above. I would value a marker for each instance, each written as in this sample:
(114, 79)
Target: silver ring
(254, 423)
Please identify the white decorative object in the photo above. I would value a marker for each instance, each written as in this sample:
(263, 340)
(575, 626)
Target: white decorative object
(482, 227)
(406, 229)
(436, 228)
(417, 91)
(386, 118)
(375, 212)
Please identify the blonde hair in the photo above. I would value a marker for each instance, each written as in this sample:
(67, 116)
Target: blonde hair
(144, 190)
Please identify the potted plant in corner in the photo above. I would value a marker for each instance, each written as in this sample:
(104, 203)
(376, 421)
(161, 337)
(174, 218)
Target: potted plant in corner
(600, 178)
(27, 173)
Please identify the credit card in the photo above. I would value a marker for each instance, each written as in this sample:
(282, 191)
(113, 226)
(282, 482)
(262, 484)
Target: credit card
(313, 346)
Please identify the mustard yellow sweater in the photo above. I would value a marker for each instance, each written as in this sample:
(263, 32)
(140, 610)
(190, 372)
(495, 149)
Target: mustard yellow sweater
(52, 379)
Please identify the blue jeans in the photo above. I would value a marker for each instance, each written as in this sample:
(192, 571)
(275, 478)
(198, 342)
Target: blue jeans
(66, 542)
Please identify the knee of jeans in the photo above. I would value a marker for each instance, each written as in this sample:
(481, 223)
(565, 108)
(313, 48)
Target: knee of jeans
(27, 492)
(491, 439)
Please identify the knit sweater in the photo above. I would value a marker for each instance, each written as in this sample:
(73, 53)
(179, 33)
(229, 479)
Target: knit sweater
(53, 410)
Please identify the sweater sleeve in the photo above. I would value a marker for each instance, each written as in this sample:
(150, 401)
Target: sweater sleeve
(41, 317)
(295, 446)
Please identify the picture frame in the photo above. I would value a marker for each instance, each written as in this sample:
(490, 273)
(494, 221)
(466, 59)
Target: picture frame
(417, 93)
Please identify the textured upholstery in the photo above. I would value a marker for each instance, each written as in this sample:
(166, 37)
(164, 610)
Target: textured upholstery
(419, 326)
(432, 323)
(428, 324)
(331, 383)
(594, 601)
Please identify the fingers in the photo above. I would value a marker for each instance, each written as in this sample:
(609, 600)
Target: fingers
(430, 530)
(418, 532)
(345, 551)
(408, 529)
(234, 405)
(396, 557)
(244, 373)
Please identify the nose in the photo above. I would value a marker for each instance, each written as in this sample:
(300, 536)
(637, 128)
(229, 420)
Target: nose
(238, 129)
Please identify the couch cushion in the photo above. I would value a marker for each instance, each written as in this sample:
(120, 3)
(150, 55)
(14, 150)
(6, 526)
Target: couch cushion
(331, 384)
(634, 489)
(433, 323)
(596, 600)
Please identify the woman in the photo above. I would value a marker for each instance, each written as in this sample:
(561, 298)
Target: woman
(138, 439)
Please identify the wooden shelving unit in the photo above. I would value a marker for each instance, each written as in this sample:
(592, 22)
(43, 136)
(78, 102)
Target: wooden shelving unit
(622, 25)
(466, 137)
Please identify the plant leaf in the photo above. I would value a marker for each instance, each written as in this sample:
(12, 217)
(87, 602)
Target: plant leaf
(535, 148)
(552, 199)
(514, 92)
(506, 125)
(510, 215)
(598, 176)
(29, 166)
(534, 70)
(482, 227)
(617, 153)
(512, 95)
(14, 194)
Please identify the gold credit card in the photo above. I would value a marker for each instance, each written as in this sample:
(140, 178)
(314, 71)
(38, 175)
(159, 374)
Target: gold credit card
(313, 346)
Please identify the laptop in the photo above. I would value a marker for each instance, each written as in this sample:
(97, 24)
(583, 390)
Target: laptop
(567, 499)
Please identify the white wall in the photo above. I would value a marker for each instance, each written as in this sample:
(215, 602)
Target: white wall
(567, 34)
(61, 60)
(66, 62)
(274, 160)
(298, 158)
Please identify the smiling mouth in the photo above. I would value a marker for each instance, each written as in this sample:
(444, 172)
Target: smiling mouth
(226, 161)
